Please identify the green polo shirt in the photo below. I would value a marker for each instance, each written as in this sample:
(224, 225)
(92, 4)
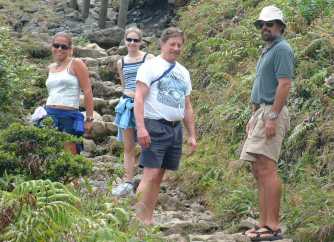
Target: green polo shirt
(275, 62)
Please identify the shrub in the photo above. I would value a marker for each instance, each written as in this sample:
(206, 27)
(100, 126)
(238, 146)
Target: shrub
(39, 153)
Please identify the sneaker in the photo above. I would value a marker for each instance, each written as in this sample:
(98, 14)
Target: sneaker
(123, 189)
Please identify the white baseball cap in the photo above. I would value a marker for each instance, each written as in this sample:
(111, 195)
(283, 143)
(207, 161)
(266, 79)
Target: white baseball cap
(270, 13)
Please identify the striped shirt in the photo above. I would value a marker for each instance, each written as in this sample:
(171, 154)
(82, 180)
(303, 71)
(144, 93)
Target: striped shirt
(130, 73)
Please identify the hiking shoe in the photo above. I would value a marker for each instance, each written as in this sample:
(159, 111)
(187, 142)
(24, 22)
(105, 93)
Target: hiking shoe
(123, 189)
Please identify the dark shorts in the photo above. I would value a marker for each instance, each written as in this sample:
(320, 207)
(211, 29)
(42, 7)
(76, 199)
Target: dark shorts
(166, 145)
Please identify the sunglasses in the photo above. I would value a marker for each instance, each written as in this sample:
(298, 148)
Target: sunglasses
(131, 39)
(61, 46)
(260, 24)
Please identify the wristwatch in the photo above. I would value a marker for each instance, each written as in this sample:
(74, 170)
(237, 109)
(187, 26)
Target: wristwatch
(89, 119)
(272, 115)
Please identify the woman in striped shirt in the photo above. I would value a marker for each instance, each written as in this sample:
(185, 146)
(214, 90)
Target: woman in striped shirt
(127, 68)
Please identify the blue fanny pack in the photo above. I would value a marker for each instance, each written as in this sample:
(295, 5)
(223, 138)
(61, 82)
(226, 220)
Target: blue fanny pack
(70, 121)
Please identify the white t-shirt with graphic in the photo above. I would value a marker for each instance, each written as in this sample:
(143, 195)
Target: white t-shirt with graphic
(166, 97)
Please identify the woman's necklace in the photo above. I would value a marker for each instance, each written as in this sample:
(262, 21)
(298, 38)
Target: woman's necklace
(134, 58)
(59, 65)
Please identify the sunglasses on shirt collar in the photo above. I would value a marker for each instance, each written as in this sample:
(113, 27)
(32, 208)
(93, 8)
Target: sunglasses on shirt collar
(260, 24)
(132, 40)
(61, 46)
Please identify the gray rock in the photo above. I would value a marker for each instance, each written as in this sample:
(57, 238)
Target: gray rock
(110, 61)
(90, 50)
(175, 237)
(118, 50)
(113, 51)
(100, 104)
(113, 102)
(108, 37)
(216, 237)
(74, 15)
(92, 64)
(175, 222)
(122, 50)
(169, 203)
(108, 118)
(99, 129)
(97, 117)
(105, 158)
(115, 147)
(106, 89)
(111, 128)
(94, 76)
(329, 81)
(248, 223)
(89, 145)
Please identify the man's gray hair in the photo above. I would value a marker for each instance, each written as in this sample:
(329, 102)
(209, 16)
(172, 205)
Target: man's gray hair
(171, 32)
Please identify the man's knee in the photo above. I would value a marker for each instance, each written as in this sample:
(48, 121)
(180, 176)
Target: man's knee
(264, 167)
(153, 175)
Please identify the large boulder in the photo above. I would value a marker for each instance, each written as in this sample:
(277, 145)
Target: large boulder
(97, 117)
(106, 38)
(118, 50)
(92, 64)
(108, 67)
(110, 61)
(89, 145)
(105, 107)
(90, 50)
(106, 89)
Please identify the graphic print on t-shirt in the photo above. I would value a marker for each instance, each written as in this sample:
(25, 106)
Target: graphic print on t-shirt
(172, 90)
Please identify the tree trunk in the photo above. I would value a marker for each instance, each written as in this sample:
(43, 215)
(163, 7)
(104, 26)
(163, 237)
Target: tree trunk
(123, 13)
(74, 4)
(103, 13)
(85, 9)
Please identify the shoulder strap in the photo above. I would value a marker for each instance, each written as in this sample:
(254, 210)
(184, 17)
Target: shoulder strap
(69, 65)
(164, 74)
(122, 62)
(144, 58)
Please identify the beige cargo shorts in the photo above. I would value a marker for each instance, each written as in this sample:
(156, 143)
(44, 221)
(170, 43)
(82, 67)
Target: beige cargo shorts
(257, 143)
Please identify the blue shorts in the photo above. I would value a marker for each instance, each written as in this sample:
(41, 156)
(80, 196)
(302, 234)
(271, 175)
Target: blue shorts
(165, 149)
(68, 121)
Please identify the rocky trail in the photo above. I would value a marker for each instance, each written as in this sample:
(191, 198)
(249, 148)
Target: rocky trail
(179, 218)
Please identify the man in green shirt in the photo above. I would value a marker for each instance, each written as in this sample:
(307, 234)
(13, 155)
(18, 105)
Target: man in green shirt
(270, 120)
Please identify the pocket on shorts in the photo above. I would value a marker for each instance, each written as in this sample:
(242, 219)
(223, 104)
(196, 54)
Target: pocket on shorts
(284, 121)
(258, 130)
(154, 128)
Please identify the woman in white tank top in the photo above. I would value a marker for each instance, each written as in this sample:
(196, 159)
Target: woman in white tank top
(67, 77)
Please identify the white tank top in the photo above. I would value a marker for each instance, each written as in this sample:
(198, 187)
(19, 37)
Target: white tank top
(63, 88)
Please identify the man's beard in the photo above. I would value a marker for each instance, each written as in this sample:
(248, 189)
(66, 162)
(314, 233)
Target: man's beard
(267, 36)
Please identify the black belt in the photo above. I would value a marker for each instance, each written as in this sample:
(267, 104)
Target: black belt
(258, 105)
(169, 123)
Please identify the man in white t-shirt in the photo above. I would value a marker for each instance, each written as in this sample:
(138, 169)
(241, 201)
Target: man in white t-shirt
(162, 101)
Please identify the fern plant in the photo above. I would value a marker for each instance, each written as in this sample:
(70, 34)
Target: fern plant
(37, 210)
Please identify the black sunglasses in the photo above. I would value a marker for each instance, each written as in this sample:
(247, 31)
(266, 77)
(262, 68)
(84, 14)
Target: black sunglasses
(61, 46)
(131, 39)
(260, 24)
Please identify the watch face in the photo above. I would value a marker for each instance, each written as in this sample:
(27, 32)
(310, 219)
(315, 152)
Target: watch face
(272, 115)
